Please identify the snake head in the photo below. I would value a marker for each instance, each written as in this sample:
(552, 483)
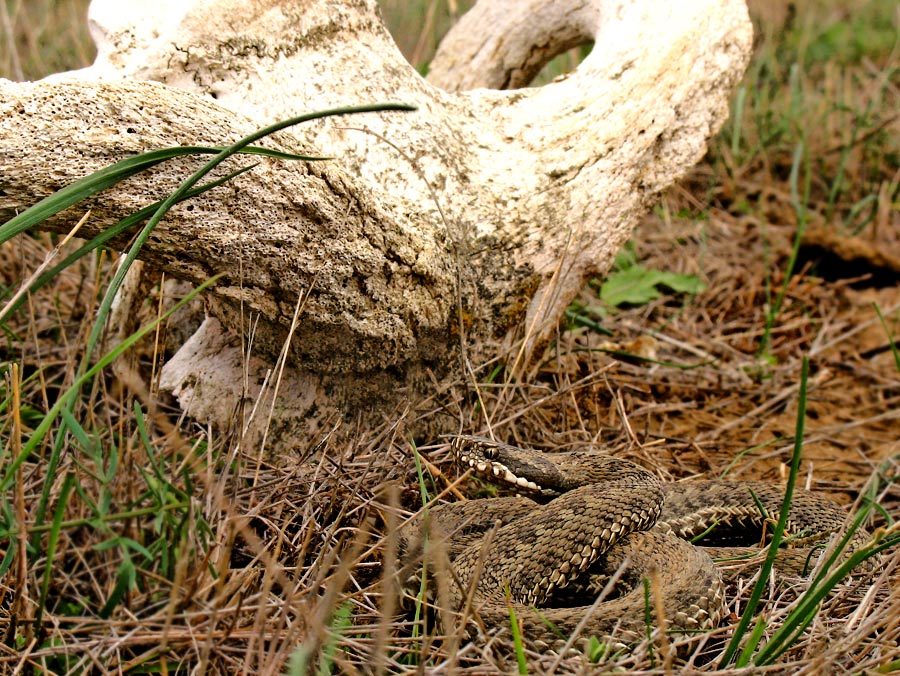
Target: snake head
(526, 470)
(545, 474)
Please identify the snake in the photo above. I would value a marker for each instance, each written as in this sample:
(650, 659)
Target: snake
(598, 544)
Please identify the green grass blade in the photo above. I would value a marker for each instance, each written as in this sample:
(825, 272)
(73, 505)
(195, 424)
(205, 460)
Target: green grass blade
(737, 122)
(279, 155)
(648, 621)
(55, 528)
(841, 546)
(41, 431)
(91, 185)
(86, 187)
(887, 330)
(518, 645)
(800, 209)
(108, 234)
(752, 642)
(131, 256)
(52, 464)
(93, 522)
(778, 532)
(422, 595)
(115, 173)
(9, 556)
(423, 489)
(579, 319)
(116, 283)
(806, 610)
(162, 488)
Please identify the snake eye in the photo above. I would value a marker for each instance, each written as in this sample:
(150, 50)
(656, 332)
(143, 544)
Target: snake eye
(489, 452)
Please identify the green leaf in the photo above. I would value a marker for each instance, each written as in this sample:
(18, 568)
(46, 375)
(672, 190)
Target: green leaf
(597, 650)
(89, 447)
(106, 545)
(126, 580)
(136, 546)
(637, 285)
(626, 258)
(340, 621)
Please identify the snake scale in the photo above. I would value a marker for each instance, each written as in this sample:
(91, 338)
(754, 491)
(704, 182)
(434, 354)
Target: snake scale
(601, 517)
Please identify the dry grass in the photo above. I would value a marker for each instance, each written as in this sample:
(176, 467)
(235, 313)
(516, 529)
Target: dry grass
(40, 37)
(178, 551)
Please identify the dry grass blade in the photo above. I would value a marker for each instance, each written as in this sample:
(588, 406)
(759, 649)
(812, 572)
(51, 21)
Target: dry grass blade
(239, 557)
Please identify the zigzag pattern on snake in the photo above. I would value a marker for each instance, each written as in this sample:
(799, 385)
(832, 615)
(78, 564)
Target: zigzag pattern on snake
(605, 517)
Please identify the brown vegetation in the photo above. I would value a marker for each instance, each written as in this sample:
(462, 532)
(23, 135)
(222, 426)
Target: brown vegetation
(250, 563)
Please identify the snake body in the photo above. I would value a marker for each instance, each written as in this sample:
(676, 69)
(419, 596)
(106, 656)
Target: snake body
(603, 518)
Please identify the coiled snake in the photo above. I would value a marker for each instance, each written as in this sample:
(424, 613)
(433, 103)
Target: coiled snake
(607, 514)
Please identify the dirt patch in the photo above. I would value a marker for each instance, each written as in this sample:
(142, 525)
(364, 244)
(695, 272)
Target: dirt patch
(709, 403)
